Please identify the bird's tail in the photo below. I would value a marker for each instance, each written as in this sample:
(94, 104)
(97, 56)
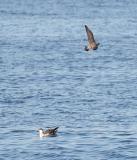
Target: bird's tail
(55, 129)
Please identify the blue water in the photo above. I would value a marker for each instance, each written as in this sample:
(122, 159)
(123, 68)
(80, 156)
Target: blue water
(48, 80)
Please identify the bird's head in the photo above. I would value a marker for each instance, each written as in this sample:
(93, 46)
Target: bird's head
(86, 48)
(40, 130)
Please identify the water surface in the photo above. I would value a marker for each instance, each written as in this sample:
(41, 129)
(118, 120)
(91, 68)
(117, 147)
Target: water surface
(48, 80)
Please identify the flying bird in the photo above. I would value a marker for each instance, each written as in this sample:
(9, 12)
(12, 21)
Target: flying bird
(48, 132)
(91, 41)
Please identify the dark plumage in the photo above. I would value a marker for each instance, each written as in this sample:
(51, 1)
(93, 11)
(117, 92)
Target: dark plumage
(91, 41)
(51, 131)
(48, 132)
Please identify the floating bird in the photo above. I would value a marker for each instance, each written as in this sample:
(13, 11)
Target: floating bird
(48, 132)
(91, 41)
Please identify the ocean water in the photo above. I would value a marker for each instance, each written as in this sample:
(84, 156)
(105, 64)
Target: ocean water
(48, 80)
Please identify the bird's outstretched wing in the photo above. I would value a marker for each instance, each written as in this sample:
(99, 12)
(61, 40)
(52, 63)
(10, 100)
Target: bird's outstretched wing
(90, 35)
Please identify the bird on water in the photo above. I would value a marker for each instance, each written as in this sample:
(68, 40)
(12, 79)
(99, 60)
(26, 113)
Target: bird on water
(91, 41)
(48, 132)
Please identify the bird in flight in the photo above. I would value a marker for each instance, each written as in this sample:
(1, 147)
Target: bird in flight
(91, 41)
